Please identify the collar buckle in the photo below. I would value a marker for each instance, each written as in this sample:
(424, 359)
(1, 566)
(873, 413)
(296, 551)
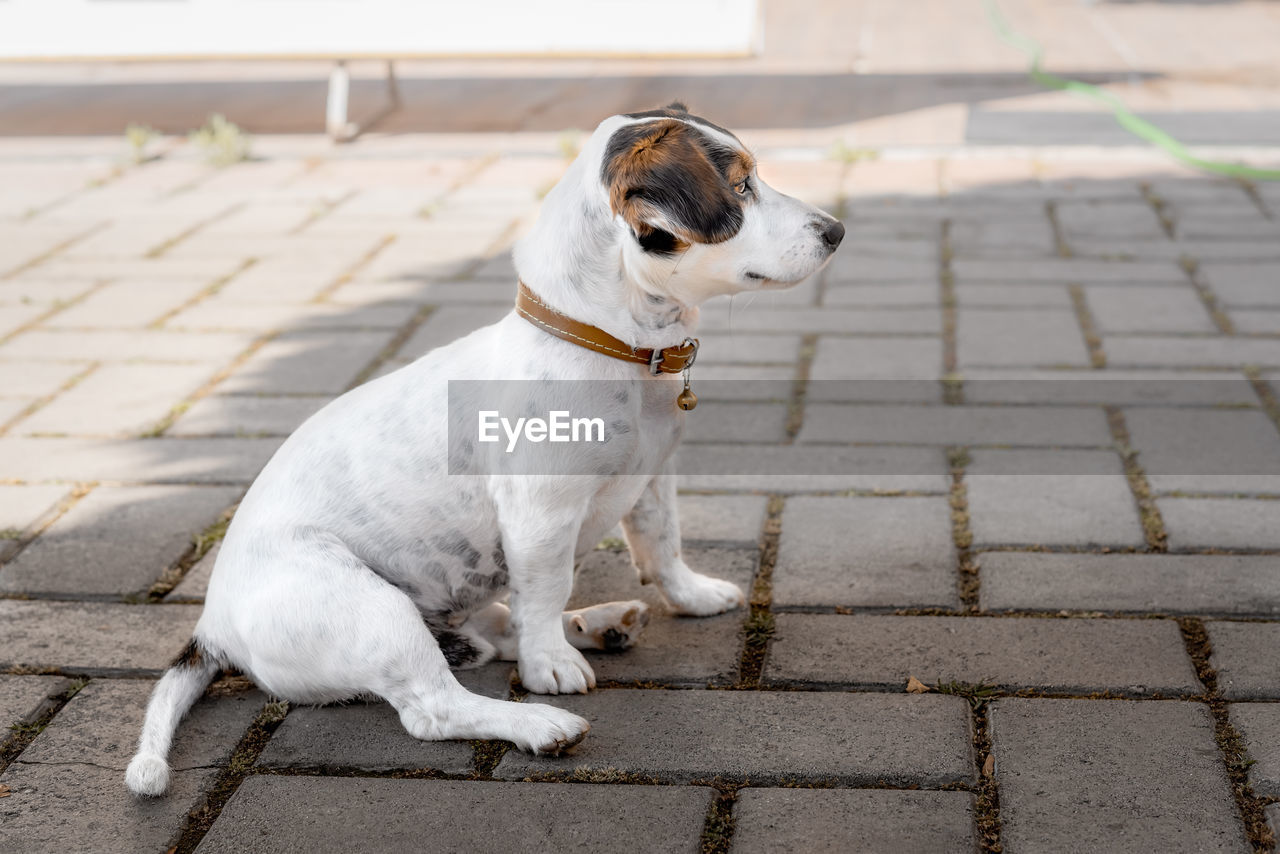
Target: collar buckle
(681, 362)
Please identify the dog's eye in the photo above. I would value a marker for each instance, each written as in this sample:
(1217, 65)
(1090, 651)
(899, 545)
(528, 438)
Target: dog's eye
(740, 188)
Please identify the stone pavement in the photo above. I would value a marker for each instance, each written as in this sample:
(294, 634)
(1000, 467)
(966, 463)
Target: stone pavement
(1018, 444)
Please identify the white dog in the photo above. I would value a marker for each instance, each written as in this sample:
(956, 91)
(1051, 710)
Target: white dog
(358, 564)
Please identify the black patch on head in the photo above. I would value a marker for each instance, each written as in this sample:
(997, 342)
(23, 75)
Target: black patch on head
(659, 242)
(457, 649)
(721, 156)
(455, 543)
(191, 657)
(614, 640)
(663, 170)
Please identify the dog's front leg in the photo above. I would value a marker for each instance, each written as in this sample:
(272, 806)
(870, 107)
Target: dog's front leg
(652, 529)
(539, 549)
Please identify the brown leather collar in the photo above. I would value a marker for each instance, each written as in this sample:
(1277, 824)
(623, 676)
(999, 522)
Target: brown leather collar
(668, 360)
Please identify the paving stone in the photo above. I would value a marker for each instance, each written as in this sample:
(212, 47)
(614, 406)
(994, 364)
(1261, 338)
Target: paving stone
(1240, 523)
(1122, 308)
(874, 821)
(847, 267)
(834, 320)
(1171, 584)
(1176, 351)
(1111, 775)
(148, 528)
(1203, 450)
(723, 421)
(100, 726)
(59, 808)
(13, 317)
(1109, 387)
(772, 383)
(1064, 271)
(154, 460)
(693, 651)
(21, 506)
(1253, 321)
(970, 295)
(1243, 284)
(27, 380)
(449, 323)
(765, 736)
(195, 584)
(731, 348)
(369, 736)
(1114, 220)
(301, 814)
(1247, 658)
(23, 697)
(94, 637)
(722, 519)
(866, 552)
(240, 415)
(1000, 238)
(875, 359)
(1259, 723)
(1068, 656)
(954, 425)
(125, 345)
(1070, 498)
(315, 362)
(1023, 338)
(118, 400)
(796, 468)
(127, 304)
(880, 296)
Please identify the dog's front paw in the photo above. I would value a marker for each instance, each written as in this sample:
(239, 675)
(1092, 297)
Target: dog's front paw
(697, 595)
(560, 670)
(548, 731)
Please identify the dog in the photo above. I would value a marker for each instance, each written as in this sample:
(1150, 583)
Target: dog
(357, 565)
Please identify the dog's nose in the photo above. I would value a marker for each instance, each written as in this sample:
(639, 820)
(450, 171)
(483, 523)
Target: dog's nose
(833, 234)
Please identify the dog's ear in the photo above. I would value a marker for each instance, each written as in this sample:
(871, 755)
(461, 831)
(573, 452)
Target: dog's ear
(662, 182)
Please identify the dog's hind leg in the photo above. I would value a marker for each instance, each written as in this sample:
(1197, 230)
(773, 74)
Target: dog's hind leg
(338, 629)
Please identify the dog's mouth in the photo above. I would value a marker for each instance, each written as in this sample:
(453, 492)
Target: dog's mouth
(767, 283)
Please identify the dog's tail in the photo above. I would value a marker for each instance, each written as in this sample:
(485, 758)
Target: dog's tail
(174, 695)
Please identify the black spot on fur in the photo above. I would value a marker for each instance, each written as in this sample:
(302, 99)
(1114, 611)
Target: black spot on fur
(455, 543)
(494, 581)
(659, 242)
(457, 649)
(191, 657)
(614, 640)
(622, 396)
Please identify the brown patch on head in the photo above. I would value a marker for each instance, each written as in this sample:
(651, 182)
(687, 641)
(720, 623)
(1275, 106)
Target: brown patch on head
(663, 181)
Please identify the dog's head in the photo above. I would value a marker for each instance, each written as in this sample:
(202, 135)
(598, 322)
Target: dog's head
(696, 219)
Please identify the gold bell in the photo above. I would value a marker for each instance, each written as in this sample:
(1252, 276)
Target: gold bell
(686, 400)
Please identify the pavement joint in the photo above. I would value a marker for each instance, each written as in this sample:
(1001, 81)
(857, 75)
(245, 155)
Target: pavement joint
(1230, 742)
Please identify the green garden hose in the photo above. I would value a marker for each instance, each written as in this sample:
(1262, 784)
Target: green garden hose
(1123, 115)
